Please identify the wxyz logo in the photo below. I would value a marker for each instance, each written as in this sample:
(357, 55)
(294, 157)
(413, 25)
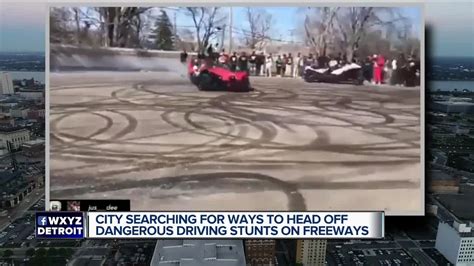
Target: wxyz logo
(59, 220)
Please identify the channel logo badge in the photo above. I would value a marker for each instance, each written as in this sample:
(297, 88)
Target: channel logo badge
(60, 225)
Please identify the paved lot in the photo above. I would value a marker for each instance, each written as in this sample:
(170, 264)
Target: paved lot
(288, 145)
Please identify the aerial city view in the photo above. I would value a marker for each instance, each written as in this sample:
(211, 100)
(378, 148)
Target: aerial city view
(194, 122)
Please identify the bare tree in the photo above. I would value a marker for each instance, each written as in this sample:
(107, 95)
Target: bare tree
(60, 28)
(343, 28)
(77, 20)
(259, 23)
(122, 25)
(355, 22)
(319, 28)
(205, 20)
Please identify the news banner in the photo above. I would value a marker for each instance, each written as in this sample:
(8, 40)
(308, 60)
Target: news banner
(209, 225)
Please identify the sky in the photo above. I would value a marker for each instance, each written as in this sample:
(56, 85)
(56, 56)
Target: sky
(452, 25)
(22, 25)
(284, 20)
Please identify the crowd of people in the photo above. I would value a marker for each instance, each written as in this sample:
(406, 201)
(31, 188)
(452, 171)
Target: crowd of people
(376, 69)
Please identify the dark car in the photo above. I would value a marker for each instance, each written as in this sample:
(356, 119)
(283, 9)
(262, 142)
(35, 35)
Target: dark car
(350, 73)
(207, 75)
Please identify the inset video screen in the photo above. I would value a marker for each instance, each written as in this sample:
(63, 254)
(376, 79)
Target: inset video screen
(238, 108)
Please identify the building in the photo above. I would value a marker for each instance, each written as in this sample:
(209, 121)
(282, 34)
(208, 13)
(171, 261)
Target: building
(33, 147)
(19, 112)
(466, 163)
(260, 252)
(6, 83)
(199, 253)
(311, 252)
(35, 95)
(16, 136)
(456, 242)
(440, 157)
(461, 130)
(441, 182)
(453, 107)
(7, 122)
(35, 114)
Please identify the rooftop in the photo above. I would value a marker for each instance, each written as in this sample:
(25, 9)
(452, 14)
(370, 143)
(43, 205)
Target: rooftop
(460, 204)
(34, 142)
(455, 103)
(11, 129)
(439, 175)
(199, 252)
(31, 90)
(7, 176)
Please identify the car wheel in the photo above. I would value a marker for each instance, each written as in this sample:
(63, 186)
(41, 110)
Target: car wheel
(204, 82)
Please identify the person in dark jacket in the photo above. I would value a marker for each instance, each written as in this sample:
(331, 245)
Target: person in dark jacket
(367, 69)
(259, 63)
(279, 65)
(183, 56)
(233, 60)
(243, 62)
(283, 66)
(402, 66)
(417, 71)
(323, 61)
(410, 80)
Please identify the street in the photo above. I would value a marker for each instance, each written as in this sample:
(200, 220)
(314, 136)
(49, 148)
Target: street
(154, 138)
(20, 209)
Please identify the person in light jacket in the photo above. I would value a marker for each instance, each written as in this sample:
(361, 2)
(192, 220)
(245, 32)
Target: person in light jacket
(253, 63)
(296, 67)
(269, 65)
(289, 65)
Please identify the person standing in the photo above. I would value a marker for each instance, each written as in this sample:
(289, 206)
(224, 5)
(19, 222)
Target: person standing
(301, 63)
(333, 64)
(243, 62)
(379, 64)
(279, 65)
(323, 61)
(289, 65)
(269, 65)
(210, 51)
(233, 62)
(368, 69)
(309, 60)
(338, 59)
(184, 56)
(222, 59)
(296, 68)
(283, 65)
(260, 63)
(253, 63)
(401, 69)
(417, 67)
(411, 72)
(394, 77)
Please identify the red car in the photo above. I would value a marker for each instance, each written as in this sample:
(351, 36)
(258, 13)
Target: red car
(207, 75)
